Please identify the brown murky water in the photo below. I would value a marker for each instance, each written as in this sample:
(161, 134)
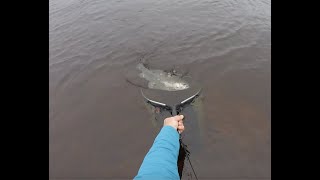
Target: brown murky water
(99, 125)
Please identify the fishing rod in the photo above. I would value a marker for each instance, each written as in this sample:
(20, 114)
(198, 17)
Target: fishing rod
(175, 110)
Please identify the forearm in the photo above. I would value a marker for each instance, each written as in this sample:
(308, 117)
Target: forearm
(161, 160)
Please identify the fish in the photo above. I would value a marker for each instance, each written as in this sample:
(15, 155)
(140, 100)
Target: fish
(159, 79)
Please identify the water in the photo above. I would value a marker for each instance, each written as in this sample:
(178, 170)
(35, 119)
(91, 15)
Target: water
(99, 126)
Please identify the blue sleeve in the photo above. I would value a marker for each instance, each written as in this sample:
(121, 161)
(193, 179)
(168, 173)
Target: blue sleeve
(161, 160)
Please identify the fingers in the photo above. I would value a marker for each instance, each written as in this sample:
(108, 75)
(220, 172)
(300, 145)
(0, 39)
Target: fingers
(178, 118)
(180, 123)
(181, 129)
(176, 122)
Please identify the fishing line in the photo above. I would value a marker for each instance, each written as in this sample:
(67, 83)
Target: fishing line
(188, 156)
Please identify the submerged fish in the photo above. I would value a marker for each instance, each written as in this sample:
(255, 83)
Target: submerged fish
(158, 79)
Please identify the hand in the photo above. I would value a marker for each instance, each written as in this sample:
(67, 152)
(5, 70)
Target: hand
(176, 122)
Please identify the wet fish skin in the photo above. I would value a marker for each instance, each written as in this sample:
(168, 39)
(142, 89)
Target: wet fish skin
(158, 79)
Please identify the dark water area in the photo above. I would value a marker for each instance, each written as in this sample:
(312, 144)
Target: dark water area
(99, 126)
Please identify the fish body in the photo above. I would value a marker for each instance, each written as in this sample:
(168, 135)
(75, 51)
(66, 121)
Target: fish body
(158, 79)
